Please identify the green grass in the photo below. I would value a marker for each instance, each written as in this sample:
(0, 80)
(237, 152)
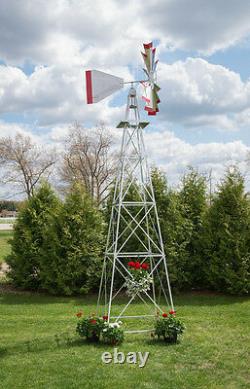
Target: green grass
(4, 245)
(35, 351)
(7, 221)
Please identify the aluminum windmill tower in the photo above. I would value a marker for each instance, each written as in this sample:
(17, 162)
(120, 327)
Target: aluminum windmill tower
(134, 229)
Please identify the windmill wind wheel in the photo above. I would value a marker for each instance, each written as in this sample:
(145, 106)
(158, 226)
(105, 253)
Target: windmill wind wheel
(100, 85)
(151, 89)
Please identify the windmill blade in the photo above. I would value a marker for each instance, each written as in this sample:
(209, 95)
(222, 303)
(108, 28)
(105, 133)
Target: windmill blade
(100, 85)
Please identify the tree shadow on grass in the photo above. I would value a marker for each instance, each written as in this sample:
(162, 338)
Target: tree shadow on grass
(12, 296)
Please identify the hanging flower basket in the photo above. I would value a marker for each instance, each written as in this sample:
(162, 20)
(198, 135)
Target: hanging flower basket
(141, 281)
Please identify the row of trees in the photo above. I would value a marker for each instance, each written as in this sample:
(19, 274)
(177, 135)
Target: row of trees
(58, 246)
(88, 158)
(207, 245)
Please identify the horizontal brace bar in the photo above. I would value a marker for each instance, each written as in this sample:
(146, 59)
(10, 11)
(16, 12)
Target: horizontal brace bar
(136, 203)
(125, 255)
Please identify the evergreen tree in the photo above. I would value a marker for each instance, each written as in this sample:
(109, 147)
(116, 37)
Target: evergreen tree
(227, 248)
(176, 229)
(71, 253)
(28, 238)
(193, 202)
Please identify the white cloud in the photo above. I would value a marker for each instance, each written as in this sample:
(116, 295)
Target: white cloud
(198, 25)
(197, 93)
(174, 155)
(53, 95)
(110, 32)
(194, 93)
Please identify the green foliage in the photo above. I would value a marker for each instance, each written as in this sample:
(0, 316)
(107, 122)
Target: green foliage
(169, 328)
(112, 333)
(193, 204)
(227, 237)
(70, 261)
(5, 237)
(176, 229)
(28, 237)
(181, 217)
(90, 328)
(9, 205)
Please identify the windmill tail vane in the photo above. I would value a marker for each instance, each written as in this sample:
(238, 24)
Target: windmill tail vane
(100, 85)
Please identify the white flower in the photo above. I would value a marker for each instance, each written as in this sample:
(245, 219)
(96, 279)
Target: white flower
(104, 330)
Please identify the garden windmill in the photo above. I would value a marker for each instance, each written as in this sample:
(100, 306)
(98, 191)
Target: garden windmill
(134, 251)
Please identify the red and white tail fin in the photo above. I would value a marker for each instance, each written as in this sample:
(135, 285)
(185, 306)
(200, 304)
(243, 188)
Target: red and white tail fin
(100, 85)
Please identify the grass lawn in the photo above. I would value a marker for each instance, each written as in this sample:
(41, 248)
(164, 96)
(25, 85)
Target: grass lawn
(7, 221)
(4, 245)
(38, 347)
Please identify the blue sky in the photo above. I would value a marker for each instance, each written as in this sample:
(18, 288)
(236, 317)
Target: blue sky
(204, 73)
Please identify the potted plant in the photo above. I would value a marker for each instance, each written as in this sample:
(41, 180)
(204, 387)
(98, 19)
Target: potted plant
(90, 327)
(169, 327)
(140, 279)
(112, 333)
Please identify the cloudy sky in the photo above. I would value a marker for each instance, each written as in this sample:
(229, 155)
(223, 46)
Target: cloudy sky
(204, 69)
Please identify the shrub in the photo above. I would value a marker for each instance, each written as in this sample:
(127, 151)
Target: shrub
(72, 250)
(227, 237)
(29, 232)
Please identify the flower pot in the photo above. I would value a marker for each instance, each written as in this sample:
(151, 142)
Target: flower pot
(93, 337)
(171, 339)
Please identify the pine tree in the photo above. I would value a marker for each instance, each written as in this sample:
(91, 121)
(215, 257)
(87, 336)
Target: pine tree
(227, 248)
(28, 238)
(72, 251)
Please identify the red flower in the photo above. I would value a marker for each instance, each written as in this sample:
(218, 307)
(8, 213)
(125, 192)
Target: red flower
(145, 266)
(131, 264)
(79, 314)
(105, 317)
(172, 312)
(93, 321)
(137, 265)
(164, 315)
